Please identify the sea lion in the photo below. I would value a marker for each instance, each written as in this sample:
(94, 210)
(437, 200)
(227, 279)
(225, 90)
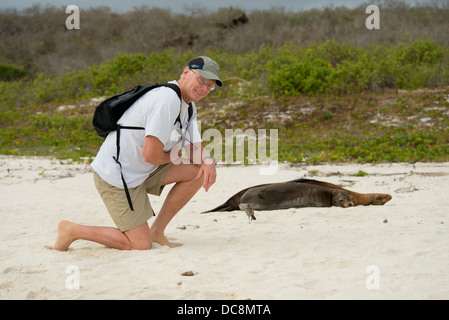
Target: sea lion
(234, 202)
(292, 195)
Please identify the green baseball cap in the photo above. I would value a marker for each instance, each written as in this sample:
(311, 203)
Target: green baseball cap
(207, 68)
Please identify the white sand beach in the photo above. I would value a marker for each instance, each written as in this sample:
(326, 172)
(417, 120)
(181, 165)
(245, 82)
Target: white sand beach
(396, 251)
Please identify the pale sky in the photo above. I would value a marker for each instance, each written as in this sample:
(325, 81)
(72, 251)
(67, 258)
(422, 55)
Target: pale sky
(179, 5)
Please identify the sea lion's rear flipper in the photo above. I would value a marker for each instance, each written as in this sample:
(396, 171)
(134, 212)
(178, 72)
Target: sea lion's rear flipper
(249, 210)
(250, 213)
(224, 207)
(231, 204)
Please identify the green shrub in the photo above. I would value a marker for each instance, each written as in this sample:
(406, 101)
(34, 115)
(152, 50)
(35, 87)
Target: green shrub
(10, 73)
(331, 68)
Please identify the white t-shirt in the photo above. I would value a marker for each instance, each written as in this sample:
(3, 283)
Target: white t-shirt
(156, 111)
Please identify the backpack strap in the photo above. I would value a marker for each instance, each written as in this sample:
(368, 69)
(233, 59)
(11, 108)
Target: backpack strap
(190, 112)
(183, 136)
(125, 186)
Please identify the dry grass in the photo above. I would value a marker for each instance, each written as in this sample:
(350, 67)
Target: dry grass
(37, 39)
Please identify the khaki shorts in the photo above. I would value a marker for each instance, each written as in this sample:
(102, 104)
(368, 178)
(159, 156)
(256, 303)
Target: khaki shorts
(117, 204)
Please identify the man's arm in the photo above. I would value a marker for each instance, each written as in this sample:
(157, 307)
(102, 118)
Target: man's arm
(152, 151)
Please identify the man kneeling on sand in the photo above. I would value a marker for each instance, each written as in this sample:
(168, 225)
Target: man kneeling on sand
(146, 159)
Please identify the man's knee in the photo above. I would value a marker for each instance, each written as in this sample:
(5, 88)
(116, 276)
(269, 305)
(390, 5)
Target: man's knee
(143, 245)
(181, 173)
(195, 169)
(139, 238)
(191, 174)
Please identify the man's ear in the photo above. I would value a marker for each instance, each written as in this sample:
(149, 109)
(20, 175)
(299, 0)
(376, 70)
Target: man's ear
(185, 71)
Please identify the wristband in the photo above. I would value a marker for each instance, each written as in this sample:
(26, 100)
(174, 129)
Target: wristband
(212, 158)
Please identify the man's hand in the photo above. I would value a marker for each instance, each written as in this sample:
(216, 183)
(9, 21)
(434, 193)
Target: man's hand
(209, 172)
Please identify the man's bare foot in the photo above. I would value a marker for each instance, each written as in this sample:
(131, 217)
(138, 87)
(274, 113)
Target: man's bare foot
(163, 241)
(64, 238)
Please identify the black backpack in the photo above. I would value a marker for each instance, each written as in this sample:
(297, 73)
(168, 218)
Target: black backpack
(110, 111)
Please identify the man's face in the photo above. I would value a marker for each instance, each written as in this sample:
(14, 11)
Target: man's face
(195, 86)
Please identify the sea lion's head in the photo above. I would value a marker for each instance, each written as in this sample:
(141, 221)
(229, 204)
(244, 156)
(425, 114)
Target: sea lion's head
(342, 198)
(379, 199)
